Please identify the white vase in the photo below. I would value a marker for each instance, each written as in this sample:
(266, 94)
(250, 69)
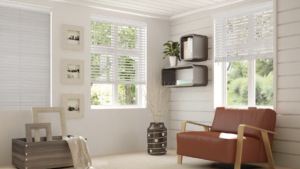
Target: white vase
(173, 60)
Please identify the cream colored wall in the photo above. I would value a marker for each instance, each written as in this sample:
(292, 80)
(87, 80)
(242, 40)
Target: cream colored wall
(108, 131)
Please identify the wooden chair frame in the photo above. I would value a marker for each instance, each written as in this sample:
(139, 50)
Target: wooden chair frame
(238, 157)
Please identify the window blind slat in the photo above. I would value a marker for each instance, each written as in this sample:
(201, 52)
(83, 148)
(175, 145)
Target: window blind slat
(24, 56)
(245, 34)
(118, 51)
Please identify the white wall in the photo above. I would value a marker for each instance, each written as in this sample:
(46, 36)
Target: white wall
(108, 131)
(287, 144)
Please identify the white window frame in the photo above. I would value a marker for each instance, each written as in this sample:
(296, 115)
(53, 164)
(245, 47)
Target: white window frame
(251, 86)
(115, 105)
(139, 91)
(220, 77)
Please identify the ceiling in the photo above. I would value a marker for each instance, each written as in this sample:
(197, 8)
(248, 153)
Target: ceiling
(163, 9)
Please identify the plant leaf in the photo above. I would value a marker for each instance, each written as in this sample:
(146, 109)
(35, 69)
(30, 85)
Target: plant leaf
(167, 44)
(165, 56)
(172, 49)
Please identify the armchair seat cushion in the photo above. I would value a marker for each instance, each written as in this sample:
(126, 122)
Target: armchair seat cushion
(217, 146)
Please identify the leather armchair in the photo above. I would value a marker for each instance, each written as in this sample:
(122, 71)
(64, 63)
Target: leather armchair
(236, 136)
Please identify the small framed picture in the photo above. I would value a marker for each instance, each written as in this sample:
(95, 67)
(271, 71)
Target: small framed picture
(72, 71)
(72, 37)
(73, 105)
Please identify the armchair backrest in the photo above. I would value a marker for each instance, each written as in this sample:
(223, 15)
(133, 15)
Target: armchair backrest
(228, 120)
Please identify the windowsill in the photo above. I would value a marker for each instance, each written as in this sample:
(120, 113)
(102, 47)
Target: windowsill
(246, 107)
(115, 107)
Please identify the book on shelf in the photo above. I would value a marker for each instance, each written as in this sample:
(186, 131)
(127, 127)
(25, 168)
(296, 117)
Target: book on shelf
(184, 82)
(188, 48)
(184, 49)
(190, 51)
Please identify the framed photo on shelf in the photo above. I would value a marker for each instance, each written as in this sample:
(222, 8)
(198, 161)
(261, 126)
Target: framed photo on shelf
(72, 37)
(72, 71)
(73, 105)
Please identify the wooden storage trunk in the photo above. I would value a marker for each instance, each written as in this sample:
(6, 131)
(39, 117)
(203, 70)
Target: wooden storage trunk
(39, 155)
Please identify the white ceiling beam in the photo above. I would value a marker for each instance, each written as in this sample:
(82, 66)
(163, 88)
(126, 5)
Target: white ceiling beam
(193, 3)
(165, 5)
(218, 5)
(175, 3)
(159, 9)
(114, 9)
(148, 4)
(130, 6)
(208, 2)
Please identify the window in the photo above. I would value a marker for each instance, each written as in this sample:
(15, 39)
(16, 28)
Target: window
(244, 46)
(118, 62)
(24, 56)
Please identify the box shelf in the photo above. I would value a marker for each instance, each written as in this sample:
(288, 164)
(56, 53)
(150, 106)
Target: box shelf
(200, 76)
(200, 47)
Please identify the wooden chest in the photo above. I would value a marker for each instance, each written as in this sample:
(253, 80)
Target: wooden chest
(39, 155)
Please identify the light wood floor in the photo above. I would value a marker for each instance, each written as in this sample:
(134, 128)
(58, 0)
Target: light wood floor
(141, 160)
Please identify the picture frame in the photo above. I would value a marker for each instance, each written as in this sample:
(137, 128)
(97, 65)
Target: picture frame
(72, 37)
(46, 126)
(73, 105)
(72, 71)
(60, 110)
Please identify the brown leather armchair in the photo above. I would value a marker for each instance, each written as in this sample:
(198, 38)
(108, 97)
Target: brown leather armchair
(236, 136)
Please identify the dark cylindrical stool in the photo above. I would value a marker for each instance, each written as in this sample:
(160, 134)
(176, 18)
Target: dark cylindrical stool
(157, 139)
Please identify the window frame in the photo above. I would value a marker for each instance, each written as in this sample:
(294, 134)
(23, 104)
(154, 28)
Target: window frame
(251, 87)
(139, 91)
(115, 100)
(220, 74)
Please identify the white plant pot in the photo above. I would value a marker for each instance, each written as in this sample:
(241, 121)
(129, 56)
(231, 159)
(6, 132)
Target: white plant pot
(173, 60)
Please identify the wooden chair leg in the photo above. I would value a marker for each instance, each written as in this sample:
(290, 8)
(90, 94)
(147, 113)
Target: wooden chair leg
(179, 160)
(239, 148)
(268, 149)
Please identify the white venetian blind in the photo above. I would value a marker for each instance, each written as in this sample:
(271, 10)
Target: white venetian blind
(245, 34)
(118, 51)
(24, 56)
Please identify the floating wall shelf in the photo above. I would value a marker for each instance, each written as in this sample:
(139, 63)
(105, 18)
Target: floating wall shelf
(200, 75)
(200, 47)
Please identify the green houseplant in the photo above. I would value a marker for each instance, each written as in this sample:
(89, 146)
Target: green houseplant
(173, 51)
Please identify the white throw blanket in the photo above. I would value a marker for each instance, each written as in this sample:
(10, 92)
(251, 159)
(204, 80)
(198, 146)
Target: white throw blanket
(80, 153)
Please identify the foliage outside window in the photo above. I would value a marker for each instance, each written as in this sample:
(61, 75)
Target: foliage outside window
(237, 82)
(117, 64)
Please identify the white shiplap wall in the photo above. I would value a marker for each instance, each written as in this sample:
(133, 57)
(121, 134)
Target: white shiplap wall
(196, 104)
(287, 144)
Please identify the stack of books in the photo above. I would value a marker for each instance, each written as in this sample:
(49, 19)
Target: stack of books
(188, 49)
(184, 82)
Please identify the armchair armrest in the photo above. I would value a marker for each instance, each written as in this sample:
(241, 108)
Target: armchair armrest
(256, 128)
(266, 142)
(183, 125)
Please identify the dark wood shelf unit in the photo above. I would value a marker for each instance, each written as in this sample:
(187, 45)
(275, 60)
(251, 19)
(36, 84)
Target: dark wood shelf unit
(200, 47)
(200, 76)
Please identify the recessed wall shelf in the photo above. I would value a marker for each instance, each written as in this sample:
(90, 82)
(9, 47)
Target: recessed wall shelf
(200, 47)
(200, 75)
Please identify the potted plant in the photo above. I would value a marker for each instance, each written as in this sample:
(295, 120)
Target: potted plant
(157, 105)
(172, 50)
